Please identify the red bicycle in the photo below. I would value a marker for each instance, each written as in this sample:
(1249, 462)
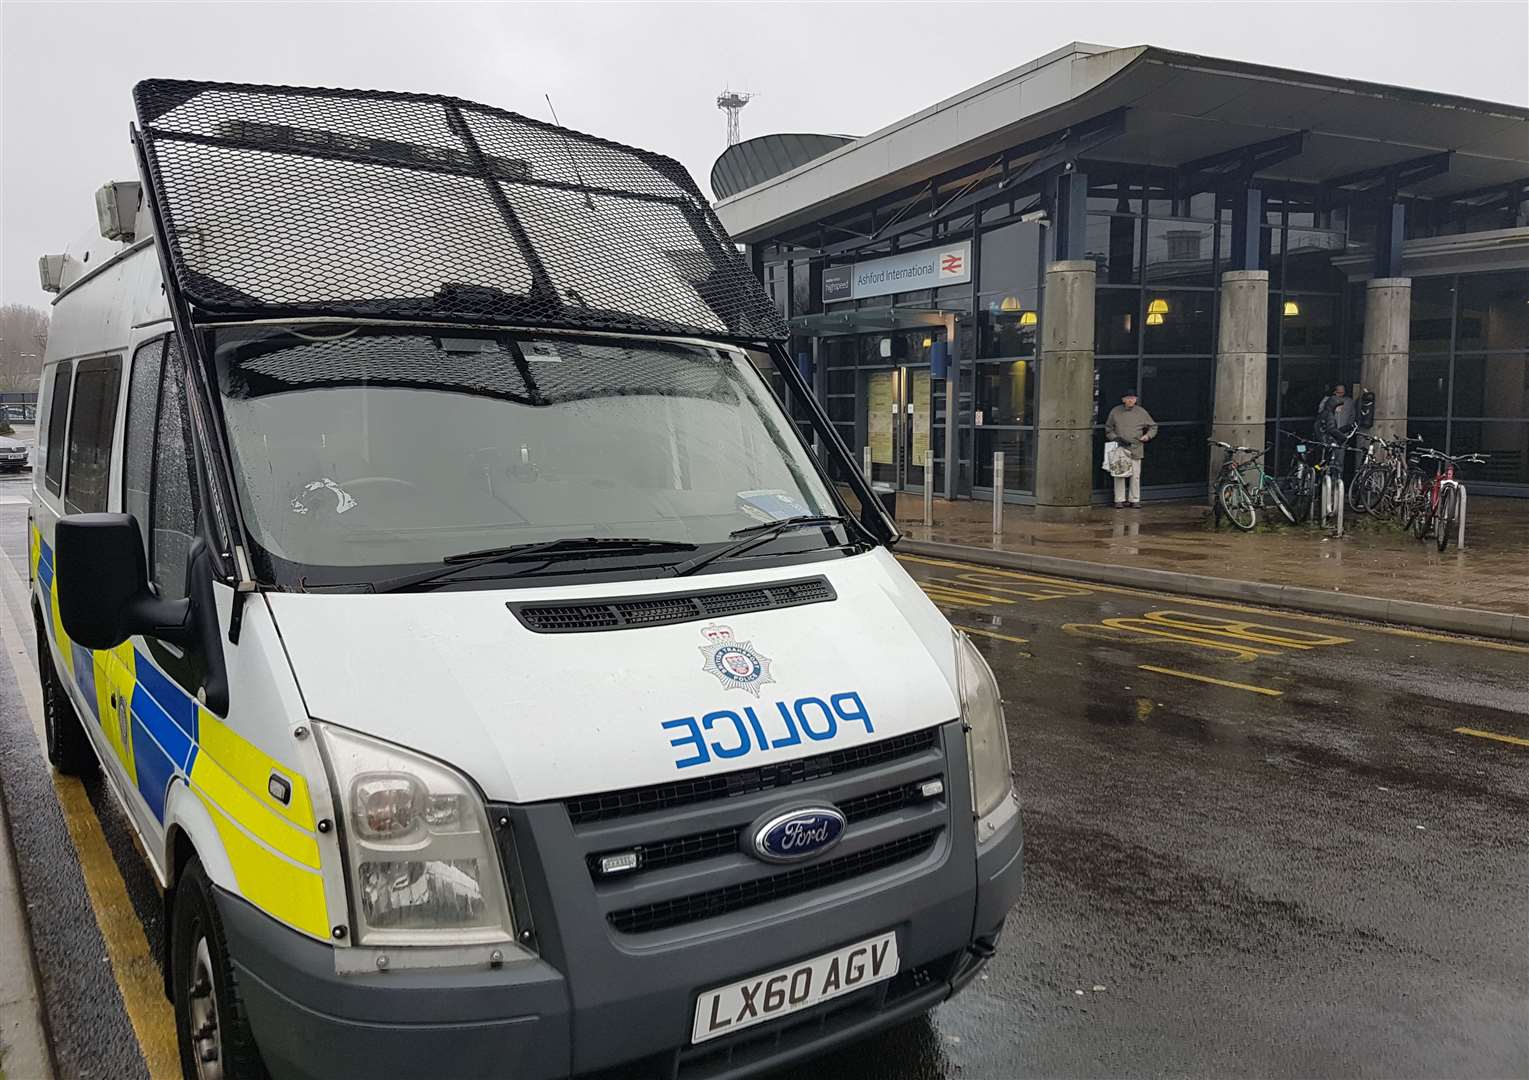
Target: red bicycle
(1437, 504)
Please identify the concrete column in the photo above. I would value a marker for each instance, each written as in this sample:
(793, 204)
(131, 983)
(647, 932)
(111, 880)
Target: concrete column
(1242, 362)
(1064, 452)
(1387, 344)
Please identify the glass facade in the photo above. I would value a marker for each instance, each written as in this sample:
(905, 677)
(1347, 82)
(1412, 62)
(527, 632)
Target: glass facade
(1468, 375)
(1160, 251)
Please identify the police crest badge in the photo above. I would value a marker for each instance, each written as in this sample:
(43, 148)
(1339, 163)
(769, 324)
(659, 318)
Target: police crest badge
(736, 664)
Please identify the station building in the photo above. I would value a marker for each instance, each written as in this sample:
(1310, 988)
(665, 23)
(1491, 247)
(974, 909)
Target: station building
(991, 273)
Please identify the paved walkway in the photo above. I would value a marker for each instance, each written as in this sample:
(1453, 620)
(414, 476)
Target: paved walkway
(1374, 559)
(23, 1046)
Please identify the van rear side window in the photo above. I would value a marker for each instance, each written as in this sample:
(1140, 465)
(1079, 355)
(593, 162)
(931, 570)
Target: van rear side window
(91, 423)
(58, 423)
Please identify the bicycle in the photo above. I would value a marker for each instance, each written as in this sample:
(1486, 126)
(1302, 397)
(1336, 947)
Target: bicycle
(1304, 487)
(1382, 475)
(1241, 500)
(1442, 506)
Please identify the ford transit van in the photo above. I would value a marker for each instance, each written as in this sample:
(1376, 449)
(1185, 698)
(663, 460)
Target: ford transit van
(500, 681)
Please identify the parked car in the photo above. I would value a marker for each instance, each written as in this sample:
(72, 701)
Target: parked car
(13, 454)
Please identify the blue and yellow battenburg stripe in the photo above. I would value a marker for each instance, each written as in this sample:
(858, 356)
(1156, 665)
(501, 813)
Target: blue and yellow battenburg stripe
(164, 735)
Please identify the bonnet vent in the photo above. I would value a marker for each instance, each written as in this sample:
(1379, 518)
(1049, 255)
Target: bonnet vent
(633, 612)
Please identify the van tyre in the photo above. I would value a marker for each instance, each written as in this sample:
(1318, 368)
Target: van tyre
(69, 749)
(211, 1025)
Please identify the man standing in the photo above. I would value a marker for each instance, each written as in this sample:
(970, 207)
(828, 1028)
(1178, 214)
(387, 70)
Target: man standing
(1335, 414)
(1131, 426)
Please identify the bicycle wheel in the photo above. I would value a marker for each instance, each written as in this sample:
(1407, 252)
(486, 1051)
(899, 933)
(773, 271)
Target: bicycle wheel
(1424, 519)
(1410, 502)
(1277, 497)
(1237, 504)
(1444, 522)
(1364, 497)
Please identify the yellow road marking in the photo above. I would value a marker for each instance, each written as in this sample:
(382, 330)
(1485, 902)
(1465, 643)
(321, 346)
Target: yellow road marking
(1514, 739)
(994, 634)
(127, 948)
(1208, 679)
(1123, 590)
(980, 598)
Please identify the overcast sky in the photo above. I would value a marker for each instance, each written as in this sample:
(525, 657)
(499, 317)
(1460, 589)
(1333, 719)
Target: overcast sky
(648, 73)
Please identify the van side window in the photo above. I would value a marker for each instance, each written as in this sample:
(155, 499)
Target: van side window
(58, 423)
(138, 442)
(92, 421)
(177, 509)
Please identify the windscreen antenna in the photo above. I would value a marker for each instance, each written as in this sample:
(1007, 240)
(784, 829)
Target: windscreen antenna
(589, 202)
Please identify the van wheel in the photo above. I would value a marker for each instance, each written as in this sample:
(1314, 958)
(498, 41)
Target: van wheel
(69, 749)
(211, 1025)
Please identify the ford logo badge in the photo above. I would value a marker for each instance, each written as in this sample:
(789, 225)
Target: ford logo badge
(798, 834)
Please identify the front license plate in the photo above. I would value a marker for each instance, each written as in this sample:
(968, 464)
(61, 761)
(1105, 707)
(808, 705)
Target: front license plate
(794, 988)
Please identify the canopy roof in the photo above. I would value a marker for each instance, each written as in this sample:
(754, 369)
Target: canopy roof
(279, 201)
(1177, 110)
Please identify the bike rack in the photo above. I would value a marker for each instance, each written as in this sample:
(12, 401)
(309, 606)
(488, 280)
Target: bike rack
(1332, 485)
(1460, 533)
(997, 492)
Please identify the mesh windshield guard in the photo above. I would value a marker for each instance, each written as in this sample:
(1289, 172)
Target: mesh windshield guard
(284, 200)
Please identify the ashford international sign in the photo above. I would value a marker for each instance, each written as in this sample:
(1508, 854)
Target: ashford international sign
(899, 273)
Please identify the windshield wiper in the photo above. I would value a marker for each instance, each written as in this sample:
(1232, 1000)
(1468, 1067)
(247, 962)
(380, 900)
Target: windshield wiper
(753, 536)
(567, 547)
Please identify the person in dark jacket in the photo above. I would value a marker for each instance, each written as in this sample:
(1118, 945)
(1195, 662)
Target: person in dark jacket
(1335, 414)
(1131, 426)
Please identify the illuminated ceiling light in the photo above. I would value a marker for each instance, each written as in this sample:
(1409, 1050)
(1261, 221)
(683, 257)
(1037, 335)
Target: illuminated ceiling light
(1157, 307)
(1010, 303)
(928, 341)
(1292, 309)
(1154, 318)
(1028, 318)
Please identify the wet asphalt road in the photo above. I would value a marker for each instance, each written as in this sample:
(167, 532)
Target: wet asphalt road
(1308, 872)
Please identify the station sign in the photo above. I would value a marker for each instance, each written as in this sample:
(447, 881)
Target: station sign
(925, 269)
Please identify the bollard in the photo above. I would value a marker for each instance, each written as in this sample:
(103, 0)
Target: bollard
(928, 489)
(865, 463)
(997, 492)
(1338, 486)
(1460, 532)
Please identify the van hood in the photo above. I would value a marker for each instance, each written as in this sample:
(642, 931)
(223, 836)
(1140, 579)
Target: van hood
(533, 716)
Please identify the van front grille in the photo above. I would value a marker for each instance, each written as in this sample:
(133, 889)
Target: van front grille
(586, 809)
(634, 613)
(663, 914)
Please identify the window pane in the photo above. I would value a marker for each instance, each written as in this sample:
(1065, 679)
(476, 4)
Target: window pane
(1178, 455)
(91, 423)
(1494, 311)
(1179, 322)
(1111, 242)
(1431, 302)
(1018, 448)
(177, 499)
(1112, 378)
(138, 441)
(1308, 325)
(1176, 388)
(1116, 319)
(1495, 386)
(58, 424)
(1006, 392)
(1009, 325)
(1181, 252)
(1506, 446)
(1308, 260)
(1303, 383)
(1011, 258)
(1427, 385)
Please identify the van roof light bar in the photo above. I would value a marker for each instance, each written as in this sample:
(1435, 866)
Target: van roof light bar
(279, 201)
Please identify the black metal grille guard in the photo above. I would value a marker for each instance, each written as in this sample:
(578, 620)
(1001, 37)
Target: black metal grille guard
(278, 201)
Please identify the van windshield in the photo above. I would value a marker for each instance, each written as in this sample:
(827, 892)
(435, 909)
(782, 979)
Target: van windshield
(377, 447)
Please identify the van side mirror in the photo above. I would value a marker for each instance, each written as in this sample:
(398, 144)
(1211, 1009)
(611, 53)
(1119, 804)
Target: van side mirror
(103, 584)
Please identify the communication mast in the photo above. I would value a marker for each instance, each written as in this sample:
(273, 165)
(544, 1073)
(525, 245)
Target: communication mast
(732, 103)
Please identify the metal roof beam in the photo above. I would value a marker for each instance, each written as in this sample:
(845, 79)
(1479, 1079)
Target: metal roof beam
(1397, 173)
(1241, 163)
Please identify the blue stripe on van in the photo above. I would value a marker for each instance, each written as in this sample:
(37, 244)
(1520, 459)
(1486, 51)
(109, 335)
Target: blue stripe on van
(157, 722)
(44, 565)
(85, 677)
(154, 769)
(173, 703)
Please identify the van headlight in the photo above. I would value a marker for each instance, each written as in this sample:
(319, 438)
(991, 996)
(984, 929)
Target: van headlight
(420, 858)
(987, 741)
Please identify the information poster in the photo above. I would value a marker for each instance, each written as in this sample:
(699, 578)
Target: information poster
(921, 419)
(881, 411)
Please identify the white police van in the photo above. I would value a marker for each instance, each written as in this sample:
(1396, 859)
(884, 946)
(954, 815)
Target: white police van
(500, 682)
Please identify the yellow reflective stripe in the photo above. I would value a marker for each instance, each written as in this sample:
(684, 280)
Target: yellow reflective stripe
(58, 627)
(239, 804)
(35, 543)
(278, 887)
(106, 711)
(252, 768)
(125, 675)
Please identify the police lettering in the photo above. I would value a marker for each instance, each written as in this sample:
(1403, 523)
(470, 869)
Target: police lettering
(726, 734)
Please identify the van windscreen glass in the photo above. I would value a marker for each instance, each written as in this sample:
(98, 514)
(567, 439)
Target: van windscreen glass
(365, 447)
